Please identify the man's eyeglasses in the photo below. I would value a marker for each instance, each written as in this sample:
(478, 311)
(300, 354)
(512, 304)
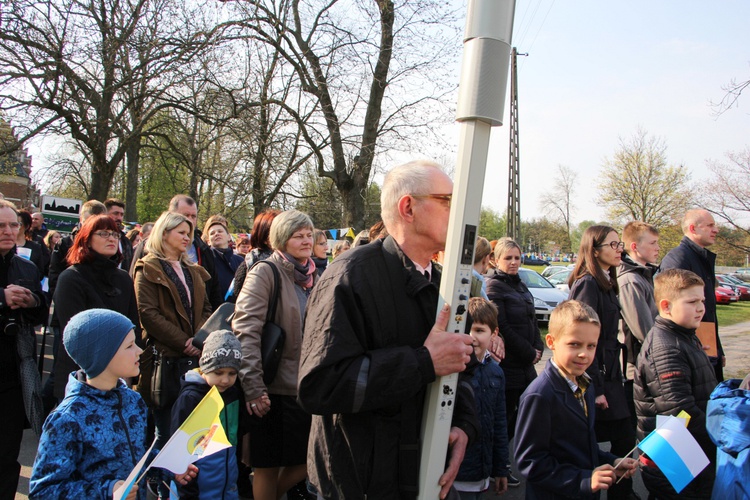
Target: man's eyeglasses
(441, 197)
(614, 245)
(106, 234)
(12, 225)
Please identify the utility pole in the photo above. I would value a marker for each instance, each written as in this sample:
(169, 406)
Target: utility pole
(514, 174)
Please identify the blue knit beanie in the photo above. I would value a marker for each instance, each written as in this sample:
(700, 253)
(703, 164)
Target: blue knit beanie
(93, 337)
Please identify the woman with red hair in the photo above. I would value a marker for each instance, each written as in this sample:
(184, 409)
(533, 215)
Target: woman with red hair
(93, 281)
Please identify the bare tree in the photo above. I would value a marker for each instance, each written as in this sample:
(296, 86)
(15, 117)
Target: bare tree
(637, 183)
(558, 202)
(96, 71)
(366, 67)
(727, 194)
(732, 92)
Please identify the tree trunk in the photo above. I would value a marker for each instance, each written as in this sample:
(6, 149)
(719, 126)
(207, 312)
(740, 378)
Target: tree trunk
(131, 185)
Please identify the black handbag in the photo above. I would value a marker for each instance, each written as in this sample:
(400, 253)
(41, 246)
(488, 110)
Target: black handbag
(221, 319)
(165, 379)
(273, 336)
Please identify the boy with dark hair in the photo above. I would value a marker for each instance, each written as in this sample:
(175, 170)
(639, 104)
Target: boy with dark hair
(674, 374)
(219, 365)
(487, 458)
(556, 444)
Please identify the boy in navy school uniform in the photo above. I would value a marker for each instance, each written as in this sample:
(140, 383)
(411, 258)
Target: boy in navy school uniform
(487, 458)
(556, 444)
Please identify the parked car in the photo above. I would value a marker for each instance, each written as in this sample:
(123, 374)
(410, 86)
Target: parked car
(533, 261)
(743, 274)
(725, 295)
(741, 288)
(551, 270)
(560, 280)
(546, 296)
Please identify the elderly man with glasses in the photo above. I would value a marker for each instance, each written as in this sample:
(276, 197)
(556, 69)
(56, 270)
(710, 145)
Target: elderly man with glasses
(371, 346)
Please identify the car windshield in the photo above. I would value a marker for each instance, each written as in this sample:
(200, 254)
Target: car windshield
(533, 279)
(561, 277)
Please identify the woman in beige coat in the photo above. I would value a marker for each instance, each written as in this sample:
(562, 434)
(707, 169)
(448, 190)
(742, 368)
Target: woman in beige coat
(278, 440)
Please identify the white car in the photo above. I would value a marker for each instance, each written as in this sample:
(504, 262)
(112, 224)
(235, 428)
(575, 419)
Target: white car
(560, 280)
(546, 296)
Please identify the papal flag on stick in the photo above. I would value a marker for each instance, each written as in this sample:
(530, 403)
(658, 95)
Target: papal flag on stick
(676, 452)
(199, 436)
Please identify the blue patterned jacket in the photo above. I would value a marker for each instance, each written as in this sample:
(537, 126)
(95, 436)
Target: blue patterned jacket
(91, 441)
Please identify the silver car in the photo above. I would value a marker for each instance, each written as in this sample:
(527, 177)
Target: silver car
(546, 296)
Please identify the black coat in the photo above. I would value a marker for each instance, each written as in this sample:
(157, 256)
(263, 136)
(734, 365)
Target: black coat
(516, 319)
(364, 372)
(81, 287)
(673, 374)
(226, 262)
(690, 256)
(15, 270)
(606, 370)
(127, 252)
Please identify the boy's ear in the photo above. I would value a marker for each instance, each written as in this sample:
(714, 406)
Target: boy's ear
(496, 333)
(665, 306)
(550, 341)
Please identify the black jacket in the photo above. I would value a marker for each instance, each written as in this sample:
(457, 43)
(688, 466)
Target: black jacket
(673, 374)
(364, 372)
(15, 270)
(226, 262)
(606, 370)
(690, 256)
(59, 261)
(205, 260)
(127, 252)
(516, 318)
(81, 287)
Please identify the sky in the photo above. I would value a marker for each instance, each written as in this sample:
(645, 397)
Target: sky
(598, 70)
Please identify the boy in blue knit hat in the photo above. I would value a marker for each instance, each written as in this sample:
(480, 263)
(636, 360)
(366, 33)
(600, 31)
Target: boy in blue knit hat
(96, 436)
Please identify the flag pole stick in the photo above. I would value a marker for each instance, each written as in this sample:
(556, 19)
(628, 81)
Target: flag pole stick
(634, 448)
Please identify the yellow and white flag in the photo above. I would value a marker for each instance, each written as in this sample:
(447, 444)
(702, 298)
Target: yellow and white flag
(199, 436)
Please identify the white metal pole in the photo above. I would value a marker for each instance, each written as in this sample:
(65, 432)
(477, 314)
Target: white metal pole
(481, 103)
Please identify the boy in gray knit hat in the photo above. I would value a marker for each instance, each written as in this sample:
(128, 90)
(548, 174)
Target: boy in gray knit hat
(219, 364)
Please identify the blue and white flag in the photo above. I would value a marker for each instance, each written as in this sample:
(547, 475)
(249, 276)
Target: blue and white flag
(676, 452)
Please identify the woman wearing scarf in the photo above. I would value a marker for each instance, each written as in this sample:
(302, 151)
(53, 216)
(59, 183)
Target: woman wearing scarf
(278, 438)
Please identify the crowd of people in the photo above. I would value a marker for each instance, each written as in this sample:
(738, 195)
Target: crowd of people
(339, 414)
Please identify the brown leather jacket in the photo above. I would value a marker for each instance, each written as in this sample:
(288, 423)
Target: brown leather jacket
(250, 316)
(163, 317)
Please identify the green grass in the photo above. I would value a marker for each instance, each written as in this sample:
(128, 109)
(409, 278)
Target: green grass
(731, 314)
(538, 269)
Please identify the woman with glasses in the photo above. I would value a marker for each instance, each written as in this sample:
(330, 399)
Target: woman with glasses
(594, 282)
(93, 281)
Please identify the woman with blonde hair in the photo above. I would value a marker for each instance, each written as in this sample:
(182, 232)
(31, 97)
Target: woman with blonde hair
(518, 326)
(172, 305)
